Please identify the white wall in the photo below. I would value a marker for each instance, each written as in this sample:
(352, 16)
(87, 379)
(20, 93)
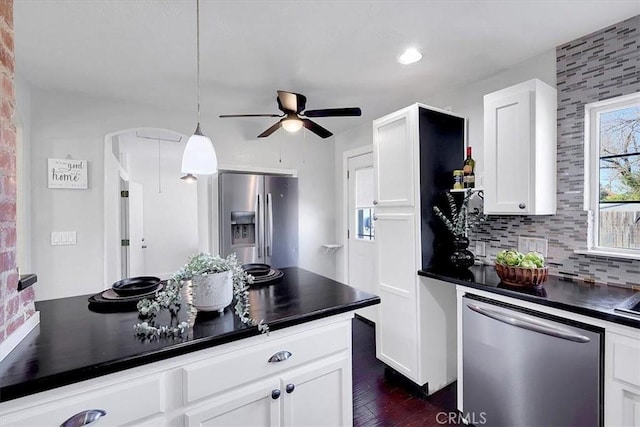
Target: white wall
(466, 100)
(170, 213)
(74, 124)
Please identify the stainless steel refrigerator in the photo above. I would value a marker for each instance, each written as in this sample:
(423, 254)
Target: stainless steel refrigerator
(258, 218)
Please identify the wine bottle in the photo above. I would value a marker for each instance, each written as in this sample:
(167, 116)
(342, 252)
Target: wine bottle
(469, 179)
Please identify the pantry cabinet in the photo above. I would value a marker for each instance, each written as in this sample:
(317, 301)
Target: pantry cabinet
(415, 152)
(520, 150)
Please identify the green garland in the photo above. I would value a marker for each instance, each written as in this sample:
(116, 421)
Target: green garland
(170, 296)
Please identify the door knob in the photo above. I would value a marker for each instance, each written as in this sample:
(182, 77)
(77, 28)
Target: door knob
(275, 393)
(375, 218)
(290, 388)
(522, 206)
(375, 202)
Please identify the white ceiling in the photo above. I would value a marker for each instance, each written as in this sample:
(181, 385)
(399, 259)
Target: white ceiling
(337, 53)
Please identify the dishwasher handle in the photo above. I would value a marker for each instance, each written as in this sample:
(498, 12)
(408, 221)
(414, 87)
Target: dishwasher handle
(525, 322)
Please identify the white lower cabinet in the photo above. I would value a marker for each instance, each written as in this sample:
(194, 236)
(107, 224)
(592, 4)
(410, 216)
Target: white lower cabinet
(318, 394)
(235, 384)
(622, 377)
(248, 406)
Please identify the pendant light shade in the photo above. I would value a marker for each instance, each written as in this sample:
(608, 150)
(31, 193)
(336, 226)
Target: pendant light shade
(199, 157)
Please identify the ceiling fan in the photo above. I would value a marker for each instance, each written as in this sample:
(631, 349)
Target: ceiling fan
(294, 117)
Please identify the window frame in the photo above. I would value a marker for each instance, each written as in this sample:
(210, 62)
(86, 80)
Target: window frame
(592, 112)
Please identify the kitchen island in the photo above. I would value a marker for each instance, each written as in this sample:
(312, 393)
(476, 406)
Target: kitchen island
(78, 360)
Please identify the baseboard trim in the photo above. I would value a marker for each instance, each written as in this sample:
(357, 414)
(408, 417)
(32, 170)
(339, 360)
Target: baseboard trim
(393, 375)
(18, 335)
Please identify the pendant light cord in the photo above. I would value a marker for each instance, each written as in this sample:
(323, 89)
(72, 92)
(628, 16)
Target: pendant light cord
(198, 54)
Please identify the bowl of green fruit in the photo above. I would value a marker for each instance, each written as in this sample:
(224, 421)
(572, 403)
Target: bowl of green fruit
(517, 269)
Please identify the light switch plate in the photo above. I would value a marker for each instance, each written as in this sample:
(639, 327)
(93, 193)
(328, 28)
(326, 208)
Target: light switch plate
(59, 238)
(481, 249)
(533, 244)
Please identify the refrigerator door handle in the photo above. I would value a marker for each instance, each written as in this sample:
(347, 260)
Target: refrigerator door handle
(260, 224)
(524, 322)
(269, 224)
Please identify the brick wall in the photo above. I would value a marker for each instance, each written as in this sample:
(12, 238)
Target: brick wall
(16, 306)
(601, 65)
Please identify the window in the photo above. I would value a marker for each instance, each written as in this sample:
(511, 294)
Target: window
(612, 175)
(364, 204)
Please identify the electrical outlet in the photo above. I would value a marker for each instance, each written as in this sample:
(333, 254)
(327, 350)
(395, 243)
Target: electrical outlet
(481, 248)
(533, 244)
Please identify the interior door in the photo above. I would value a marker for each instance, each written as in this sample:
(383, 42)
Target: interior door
(136, 230)
(361, 247)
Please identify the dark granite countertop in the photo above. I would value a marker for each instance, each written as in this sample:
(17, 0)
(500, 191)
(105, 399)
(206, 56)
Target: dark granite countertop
(579, 297)
(73, 343)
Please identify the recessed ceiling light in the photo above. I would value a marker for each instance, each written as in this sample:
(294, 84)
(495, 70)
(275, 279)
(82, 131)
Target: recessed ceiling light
(410, 56)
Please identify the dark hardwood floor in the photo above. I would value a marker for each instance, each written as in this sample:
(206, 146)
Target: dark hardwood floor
(380, 400)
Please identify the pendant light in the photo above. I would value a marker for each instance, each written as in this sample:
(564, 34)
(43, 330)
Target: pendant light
(199, 156)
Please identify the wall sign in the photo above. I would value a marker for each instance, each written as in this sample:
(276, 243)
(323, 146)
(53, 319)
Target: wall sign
(67, 173)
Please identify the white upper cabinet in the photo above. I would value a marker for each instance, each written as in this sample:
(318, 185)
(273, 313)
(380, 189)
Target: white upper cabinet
(394, 144)
(520, 150)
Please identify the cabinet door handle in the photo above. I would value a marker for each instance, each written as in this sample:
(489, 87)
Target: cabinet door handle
(280, 356)
(290, 388)
(375, 217)
(275, 393)
(84, 418)
(522, 206)
(375, 202)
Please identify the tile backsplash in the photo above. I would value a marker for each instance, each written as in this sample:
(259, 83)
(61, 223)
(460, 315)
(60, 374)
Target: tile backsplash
(595, 67)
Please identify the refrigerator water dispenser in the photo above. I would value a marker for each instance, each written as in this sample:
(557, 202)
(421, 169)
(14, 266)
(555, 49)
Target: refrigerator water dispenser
(243, 228)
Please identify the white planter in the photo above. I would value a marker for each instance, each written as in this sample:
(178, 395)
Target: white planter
(212, 292)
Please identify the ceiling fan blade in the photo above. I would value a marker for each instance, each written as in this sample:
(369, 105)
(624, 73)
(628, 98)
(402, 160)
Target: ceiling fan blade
(271, 130)
(334, 112)
(316, 128)
(289, 101)
(226, 116)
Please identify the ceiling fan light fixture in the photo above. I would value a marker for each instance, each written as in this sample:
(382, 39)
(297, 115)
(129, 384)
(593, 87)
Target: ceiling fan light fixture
(199, 156)
(410, 56)
(292, 124)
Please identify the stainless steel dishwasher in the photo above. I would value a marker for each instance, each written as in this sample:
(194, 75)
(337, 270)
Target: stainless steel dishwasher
(524, 368)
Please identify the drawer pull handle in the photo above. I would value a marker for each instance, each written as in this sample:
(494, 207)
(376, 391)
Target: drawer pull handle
(84, 418)
(280, 356)
(290, 388)
(275, 393)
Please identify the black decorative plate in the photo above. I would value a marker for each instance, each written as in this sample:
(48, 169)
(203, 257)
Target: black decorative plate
(257, 270)
(108, 301)
(135, 285)
(274, 276)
